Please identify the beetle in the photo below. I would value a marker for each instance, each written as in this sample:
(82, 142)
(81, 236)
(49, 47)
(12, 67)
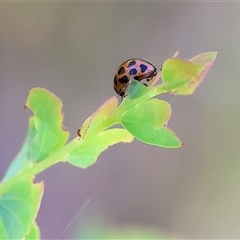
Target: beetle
(134, 68)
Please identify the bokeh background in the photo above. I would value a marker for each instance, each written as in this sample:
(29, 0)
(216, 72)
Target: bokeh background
(73, 49)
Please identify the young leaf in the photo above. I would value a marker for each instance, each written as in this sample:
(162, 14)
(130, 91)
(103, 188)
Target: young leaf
(98, 116)
(205, 59)
(22, 158)
(175, 69)
(88, 150)
(146, 122)
(48, 120)
(192, 71)
(136, 89)
(19, 208)
(168, 86)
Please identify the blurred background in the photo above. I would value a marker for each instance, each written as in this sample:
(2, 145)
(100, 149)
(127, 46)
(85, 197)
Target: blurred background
(74, 49)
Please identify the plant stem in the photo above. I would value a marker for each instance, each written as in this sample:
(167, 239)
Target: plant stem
(29, 172)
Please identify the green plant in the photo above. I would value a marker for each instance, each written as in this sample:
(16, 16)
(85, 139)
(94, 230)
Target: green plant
(141, 114)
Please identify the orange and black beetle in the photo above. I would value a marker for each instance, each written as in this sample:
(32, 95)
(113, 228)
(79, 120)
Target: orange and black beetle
(134, 68)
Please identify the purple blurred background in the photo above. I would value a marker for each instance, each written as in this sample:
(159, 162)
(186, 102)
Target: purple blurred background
(74, 49)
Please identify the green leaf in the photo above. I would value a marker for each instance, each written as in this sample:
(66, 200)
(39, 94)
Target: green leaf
(96, 119)
(19, 208)
(206, 60)
(146, 122)
(88, 150)
(48, 118)
(175, 69)
(22, 159)
(34, 232)
(136, 89)
(169, 86)
(192, 71)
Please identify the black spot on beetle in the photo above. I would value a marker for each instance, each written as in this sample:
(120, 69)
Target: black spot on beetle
(121, 70)
(132, 63)
(143, 68)
(123, 79)
(121, 93)
(115, 81)
(133, 71)
(139, 78)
